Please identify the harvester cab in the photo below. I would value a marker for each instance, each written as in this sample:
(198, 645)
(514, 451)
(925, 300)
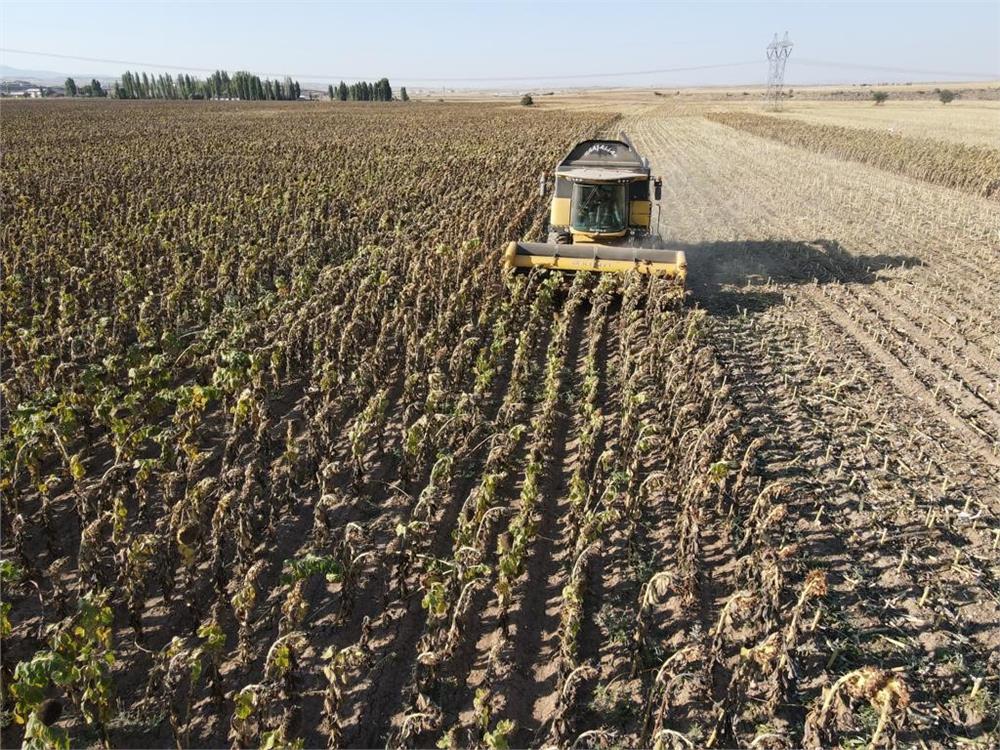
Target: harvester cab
(601, 216)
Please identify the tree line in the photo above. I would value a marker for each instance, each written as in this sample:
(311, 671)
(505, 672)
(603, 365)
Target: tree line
(363, 91)
(219, 85)
(93, 88)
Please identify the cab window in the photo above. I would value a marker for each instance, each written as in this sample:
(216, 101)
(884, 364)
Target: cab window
(598, 208)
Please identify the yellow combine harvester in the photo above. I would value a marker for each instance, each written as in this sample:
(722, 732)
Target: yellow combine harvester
(601, 216)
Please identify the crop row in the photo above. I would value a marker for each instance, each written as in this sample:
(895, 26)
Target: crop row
(230, 333)
(972, 168)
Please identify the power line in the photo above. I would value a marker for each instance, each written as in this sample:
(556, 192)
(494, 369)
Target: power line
(329, 77)
(103, 60)
(495, 79)
(597, 75)
(889, 69)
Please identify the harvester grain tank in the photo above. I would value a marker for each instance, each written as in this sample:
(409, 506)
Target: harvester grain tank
(601, 216)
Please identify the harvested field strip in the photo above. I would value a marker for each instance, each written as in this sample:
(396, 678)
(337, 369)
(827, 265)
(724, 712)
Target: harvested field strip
(885, 493)
(953, 304)
(791, 266)
(968, 122)
(974, 169)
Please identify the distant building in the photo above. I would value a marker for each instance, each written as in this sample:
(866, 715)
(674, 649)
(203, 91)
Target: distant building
(21, 88)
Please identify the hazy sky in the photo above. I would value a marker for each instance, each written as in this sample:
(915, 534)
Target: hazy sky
(416, 41)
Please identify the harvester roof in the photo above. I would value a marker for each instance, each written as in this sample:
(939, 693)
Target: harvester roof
(603, 160)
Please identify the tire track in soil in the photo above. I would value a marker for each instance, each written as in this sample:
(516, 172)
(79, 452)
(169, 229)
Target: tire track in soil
(942, 333)
(529, 688)
(863, 303)
(466, 670)
(775, 203)
(590, 639)
(845, 538)
(473, 656)
(375, 707)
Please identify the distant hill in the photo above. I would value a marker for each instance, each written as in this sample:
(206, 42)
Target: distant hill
(47, 77)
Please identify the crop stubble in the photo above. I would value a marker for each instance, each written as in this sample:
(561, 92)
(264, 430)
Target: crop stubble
(856, 315)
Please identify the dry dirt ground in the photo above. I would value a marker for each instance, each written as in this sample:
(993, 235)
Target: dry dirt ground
(840, 336)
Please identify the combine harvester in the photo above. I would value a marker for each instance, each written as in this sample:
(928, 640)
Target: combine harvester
(601, 216)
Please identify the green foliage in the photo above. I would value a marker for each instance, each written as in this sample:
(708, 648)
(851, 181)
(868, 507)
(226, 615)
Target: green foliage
(246, 702)
(276, 740)
(194, 399)
(369, 424)
(11, 574)
(449, 740)
(220, 85)
(38, 736)
(300, 568)
(79, 660)
(719, 470)
(614, 703)
(527, 101)
(880, 96)
(946, 96)
(76, 468)
(213, 638)
(405, 530)
(499, 738)
(616, 624)
(697, 324)
(94, 89)
(233, 372)
(281, 656)
(33, 678)
(435, 599)
(362, 91)
(481, 704)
